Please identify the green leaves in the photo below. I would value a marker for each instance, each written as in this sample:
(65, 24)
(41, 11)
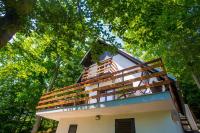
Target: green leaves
(54, 36)
(28, 68)
(151, 28)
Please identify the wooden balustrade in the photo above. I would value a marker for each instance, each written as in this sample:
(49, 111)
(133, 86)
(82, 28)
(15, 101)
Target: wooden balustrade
(77, 94)
(89, 81)
(106, 66)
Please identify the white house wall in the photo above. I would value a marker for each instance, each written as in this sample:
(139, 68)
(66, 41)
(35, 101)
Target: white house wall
(122, 63)
(151, 122)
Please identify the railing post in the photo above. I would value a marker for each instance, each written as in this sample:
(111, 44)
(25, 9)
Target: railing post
(98, 93)
(165, 77)
(122, 76)
(123, 83)
(75, 100)
(114, 91)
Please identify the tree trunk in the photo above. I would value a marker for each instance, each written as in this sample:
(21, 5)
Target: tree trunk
(196, 78)
(55, 74)
(9, 26)
(14, 18)
(49, 87)
(37, 124)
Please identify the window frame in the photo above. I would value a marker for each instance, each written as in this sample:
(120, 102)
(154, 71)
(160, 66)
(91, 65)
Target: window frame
(132, 123)
(71, 130)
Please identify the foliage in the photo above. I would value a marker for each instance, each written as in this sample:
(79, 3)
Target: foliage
(159, 28)
(53, 35)
(27, 68)
(192, 97)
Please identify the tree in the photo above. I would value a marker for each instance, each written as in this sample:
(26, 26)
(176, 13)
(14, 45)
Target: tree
(56, 30)
(29, 69)
(158, 28)
(25, 16)
(151, 28)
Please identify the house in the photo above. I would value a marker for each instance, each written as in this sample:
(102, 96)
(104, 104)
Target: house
(119, 94)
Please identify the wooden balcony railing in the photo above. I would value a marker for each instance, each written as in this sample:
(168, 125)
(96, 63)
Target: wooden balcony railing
(122, 84)
(106, 66)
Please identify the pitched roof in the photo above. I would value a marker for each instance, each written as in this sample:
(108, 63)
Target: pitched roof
(87, 59)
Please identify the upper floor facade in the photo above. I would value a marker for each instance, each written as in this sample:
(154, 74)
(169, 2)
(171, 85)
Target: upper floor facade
(115, 80)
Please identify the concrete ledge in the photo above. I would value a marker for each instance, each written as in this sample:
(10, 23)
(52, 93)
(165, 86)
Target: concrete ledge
(158, 97)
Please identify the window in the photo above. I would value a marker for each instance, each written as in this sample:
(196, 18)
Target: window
(125, 125)
(72, 128)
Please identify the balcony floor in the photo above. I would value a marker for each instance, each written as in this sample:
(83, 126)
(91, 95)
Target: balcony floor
(146, 103)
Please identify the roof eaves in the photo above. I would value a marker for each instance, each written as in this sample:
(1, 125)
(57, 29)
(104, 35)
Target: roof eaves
(85, 56)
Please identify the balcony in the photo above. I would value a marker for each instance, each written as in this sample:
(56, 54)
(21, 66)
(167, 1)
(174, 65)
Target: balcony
(140, 80)
(97, 69)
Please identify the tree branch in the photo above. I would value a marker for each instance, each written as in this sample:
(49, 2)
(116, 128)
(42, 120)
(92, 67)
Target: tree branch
(55, 74)
(14, 19)
(196, 79)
